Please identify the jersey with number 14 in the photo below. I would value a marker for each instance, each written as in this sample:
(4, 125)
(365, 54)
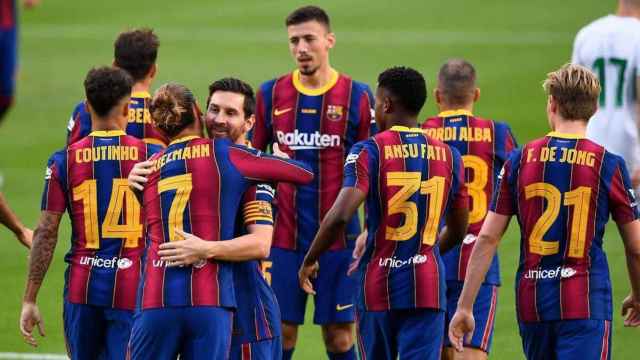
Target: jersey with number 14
(484, 146)
(411, 181)
(89, 179)
(562, 188)
(317, 127)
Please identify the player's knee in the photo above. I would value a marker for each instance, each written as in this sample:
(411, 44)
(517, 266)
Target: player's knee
(289, 335)
(338, 338)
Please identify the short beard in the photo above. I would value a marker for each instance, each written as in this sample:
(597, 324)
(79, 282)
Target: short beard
(308, 71)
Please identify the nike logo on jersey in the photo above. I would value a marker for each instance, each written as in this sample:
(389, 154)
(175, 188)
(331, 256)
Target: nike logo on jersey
(278, 112)
(343, 307)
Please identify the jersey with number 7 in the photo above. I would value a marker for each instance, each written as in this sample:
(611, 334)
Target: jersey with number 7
(562, 188)
(89, 180)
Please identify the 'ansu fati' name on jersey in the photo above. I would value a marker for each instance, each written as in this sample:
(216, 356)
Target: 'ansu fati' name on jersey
(408, 193)
(484, 145)
(89, 180)
(563, 188)
(317, 127)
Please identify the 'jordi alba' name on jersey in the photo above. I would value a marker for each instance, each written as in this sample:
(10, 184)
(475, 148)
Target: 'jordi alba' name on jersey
(484, 146)
(139, 126)
(317, 127)
(411, 181)
(89, 180)
(562, 189)
(196, 186)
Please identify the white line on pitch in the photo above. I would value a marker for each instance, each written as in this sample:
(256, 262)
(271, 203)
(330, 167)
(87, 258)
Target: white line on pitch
(31, 356)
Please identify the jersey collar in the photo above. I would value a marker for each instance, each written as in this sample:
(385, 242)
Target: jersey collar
(183, 139)
(458, 112)
(313, 92)
(141, 94)
(406, 129)
(107, 133)
(561, 135)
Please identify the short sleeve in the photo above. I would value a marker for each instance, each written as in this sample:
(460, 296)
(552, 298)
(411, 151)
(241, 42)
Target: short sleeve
(503, 202)
(53, 196)
(356, 168)
(367, 126)
(256, 208)
(622, 200)
(459, 194)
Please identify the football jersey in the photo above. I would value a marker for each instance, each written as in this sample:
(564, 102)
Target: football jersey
(562, 189)
(317, 127)
(196, 185)
(89, 180)
(139, 124)
(257, 317)
(610, 46)
(411, 181)
(484, 146)
(7, 14)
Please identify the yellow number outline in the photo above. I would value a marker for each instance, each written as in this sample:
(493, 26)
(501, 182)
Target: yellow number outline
(183, 185)
(479, 203)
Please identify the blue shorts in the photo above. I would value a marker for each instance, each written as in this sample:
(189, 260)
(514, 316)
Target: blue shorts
(269, 349)
(407, 334)
(198, 333)
(567, 340)
(95, 332)
(8, 63)
(484, 313)
(335, 291)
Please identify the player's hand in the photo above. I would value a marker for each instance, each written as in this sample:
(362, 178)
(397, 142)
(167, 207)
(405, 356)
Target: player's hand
(358, 251)
(277, 152)
(25, 237)
(138, 175)
(30, 318)
(635, 178)
(30, 4)
(631, 311)
(461, 327)
(306, 273)
(189, 251)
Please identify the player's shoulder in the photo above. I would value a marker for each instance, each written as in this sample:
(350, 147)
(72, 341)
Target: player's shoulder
(58, 156)
(267, 86)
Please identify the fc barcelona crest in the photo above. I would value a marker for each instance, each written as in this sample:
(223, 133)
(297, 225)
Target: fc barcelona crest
(334, 112)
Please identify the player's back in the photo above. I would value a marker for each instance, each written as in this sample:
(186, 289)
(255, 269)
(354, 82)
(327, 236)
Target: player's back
(411, 181)
(484, 146)
(89, 178)
(562, 189)
(610, 47)
(139, 122)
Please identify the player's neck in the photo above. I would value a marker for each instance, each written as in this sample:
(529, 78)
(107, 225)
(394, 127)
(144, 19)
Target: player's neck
(446, 107)
(141, 86)
(625, 10)
(576, 127)
(403, 120)
(105, 124)
(318, 79)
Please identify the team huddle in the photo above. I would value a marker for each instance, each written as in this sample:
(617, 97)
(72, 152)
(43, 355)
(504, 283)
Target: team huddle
(199, 234)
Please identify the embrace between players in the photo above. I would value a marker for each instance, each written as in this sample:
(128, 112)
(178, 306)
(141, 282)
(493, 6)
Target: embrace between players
(181, 246)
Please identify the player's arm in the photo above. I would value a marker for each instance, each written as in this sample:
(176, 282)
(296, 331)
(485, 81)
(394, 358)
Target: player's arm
(630, 234)
(9, 219)
(267, 168)
(457, 218)
(44, 244)
(261, 134)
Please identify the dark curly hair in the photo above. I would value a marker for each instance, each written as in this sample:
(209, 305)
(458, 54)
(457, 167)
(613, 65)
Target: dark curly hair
(173, 108)
(406, 85)
(105, 87)
(136, 51)
(308, 13)
(235, 86)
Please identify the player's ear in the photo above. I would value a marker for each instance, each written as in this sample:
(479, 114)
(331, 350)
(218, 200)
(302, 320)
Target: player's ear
(476, 94)
(331, 39)
(437, 96)
(387, 105)
(249, 122)
(125, 107)
(152, 71)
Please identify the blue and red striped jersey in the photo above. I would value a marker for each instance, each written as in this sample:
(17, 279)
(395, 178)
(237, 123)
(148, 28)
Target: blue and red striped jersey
(7, 15)
(89, 180)
(139, 125)
(562, 189)
(317, 127)
(258, 316)
(411, 181)
(196, 186)
(484, 146)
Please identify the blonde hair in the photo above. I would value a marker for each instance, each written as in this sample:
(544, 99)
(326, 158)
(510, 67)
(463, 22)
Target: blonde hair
(172, 108)
(576, 90)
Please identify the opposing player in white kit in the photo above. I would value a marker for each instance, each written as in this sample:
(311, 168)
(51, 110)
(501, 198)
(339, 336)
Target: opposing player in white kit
(610, 46)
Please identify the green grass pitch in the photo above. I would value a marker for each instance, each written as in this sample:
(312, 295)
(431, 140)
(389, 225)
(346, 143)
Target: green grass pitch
(513, 44)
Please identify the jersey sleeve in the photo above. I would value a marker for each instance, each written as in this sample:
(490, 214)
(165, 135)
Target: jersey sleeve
(256, 208)
(509, 143)
(367, 126)
(258, 166)
(503, 201)
(356, 168)
(53, 196)
(79, 124)
(261, 133)
(459, 194)
(622, 200)
(153, 149)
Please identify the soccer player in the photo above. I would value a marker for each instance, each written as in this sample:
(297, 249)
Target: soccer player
(9, 219)
(562, 188)
(314, 115)
(89, 180)
(610, 47)
(257, 331)
(484, 145)
(196, 187)
(9, 51)
(135, 51)
(411, 183)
